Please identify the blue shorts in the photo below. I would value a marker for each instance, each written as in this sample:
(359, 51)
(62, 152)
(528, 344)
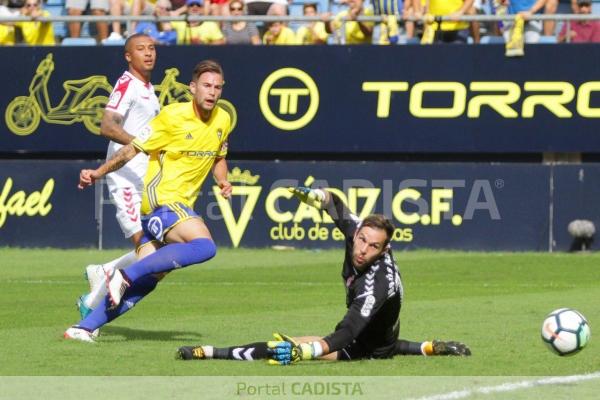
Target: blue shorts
(159, 222)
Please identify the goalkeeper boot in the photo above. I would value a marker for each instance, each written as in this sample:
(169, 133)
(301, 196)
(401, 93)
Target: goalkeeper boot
(441, 348)
(190, 353)
(76, 333)
(95, 275)
(116, 284)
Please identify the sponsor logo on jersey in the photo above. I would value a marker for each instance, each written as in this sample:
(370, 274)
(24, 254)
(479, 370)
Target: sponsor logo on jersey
(114, 100)
(119, 92)
(207, 153)
(145, 134)
(189, 136)
(367, 307)
(155, 227)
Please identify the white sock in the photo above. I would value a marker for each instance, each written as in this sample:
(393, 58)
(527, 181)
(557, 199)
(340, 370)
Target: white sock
(99, 292)
(208, 351)
(119, 263)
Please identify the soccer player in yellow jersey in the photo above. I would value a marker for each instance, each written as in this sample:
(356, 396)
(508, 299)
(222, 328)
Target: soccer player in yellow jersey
(185, 142)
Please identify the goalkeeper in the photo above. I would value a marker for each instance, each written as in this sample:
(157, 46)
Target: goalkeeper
(371, 325)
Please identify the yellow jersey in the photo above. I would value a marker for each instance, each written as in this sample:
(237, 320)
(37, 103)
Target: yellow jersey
(7, 35)
(353, 33)
(206, 33)
(447, 7)
(182, 150)
(286, 37)
(305, 35)
(38, 33)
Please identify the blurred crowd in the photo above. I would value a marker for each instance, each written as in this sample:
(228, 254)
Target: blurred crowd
(408, 21)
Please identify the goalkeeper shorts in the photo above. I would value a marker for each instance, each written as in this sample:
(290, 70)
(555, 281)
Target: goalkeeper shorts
(357, 351)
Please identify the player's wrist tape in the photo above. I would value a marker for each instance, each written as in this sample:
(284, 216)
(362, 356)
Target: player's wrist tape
(311, 350)
(320, 195)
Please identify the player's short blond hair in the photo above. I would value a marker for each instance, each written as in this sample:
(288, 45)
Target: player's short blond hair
(207, 66)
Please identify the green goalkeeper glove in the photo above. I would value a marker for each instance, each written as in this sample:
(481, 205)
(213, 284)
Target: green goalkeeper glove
(285, 350)
(312, 197)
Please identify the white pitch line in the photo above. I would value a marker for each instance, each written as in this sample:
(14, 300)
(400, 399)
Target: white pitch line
(510, 387)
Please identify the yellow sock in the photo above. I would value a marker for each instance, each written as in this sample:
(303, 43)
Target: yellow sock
(427, 348)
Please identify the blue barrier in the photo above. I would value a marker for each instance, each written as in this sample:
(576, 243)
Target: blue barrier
(467, 206)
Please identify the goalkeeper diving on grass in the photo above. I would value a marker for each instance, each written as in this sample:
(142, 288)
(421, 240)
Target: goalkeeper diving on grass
(374, 293)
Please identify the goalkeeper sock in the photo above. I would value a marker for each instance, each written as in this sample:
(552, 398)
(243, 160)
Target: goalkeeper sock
(97, 294)
(104, 314)
(171, 256)
(246, 352)
(406, 348)
(427, 348)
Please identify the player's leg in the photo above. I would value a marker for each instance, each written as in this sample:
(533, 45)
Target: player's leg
(188, 242)
(98, 291)
(116, 9)
(126, 194)
(550, 8)
(74, 10)
(246, 352)
(430, 348)
(408, 348)
(105, 312)
(100, 8)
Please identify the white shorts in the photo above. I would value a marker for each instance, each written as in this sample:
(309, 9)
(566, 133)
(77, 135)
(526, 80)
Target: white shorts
(533, 31)
(126, 193)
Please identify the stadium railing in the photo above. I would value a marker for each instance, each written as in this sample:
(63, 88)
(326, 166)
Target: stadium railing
(127, 19)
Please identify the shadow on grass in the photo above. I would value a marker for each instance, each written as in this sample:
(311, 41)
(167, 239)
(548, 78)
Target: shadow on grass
(110, 332)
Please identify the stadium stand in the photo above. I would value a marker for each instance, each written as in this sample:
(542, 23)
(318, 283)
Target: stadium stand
(80, 41)
(56, 8)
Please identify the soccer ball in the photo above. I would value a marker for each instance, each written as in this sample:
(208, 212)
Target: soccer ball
(565, 331)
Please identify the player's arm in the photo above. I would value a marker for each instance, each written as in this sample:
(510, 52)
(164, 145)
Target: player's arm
(219, 171)
(372, 289)
(87, 177)
(537, 6)
(287, 350)
(111, 128)
(330, 202)
(329, 26)
(344, 219)
(365, 28)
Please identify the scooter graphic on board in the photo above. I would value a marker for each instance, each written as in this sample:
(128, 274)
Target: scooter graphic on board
(83, 101)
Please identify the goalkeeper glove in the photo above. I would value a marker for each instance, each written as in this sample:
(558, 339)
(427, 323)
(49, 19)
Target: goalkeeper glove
(312, 197)
(286, 350)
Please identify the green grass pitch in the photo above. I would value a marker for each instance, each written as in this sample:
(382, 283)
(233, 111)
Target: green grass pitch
(494, 302)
